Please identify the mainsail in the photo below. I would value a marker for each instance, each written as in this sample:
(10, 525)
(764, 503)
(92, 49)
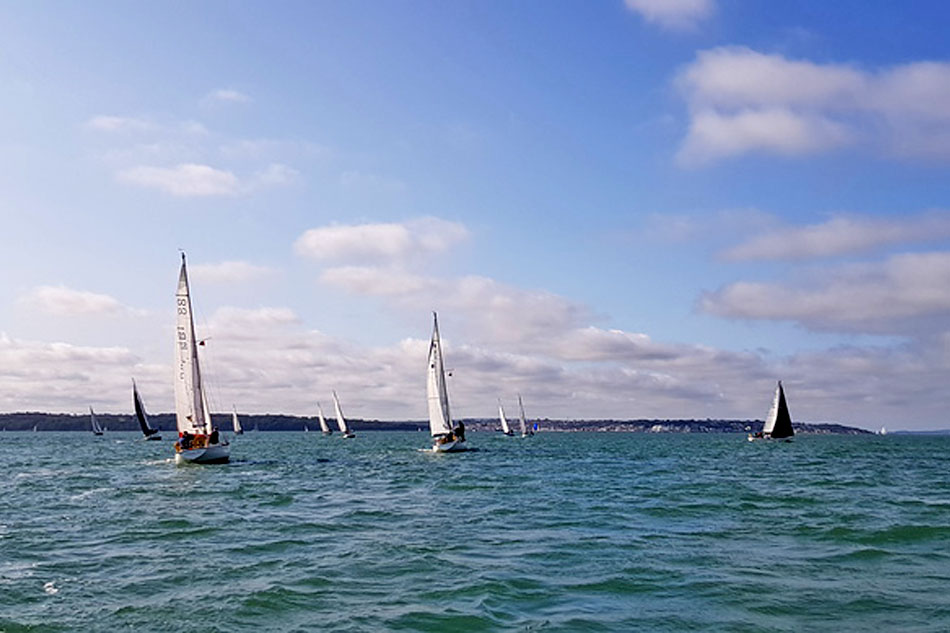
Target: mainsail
(140, 414)
(440, 420)
(504, 421)
(340, 420)
(778, 425)
(190, 404)
(235, 422)
(94, 421)
(323, 421)
(524, 424)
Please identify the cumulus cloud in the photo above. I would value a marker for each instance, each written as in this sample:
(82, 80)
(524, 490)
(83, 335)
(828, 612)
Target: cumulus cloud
(840, 236)
(869, 297)
(742, 101)
(383, 240)
(673, 14)
(63, 301)
(229, 272)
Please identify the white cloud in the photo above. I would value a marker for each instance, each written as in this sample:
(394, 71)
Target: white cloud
(873, 297)
(225, 95)
(229, 272)
(107, 123)
(185, 180)
(384, 240)
(673, 14)
(63, 301)
(360, 180)
(274, 175)
(741, 101)
(841, 235)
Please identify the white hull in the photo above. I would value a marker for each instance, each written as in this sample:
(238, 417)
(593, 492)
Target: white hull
(454, 446)
(767, 438)
(214, 454)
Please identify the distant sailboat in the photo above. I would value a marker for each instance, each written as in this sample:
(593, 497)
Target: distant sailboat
(141, 416)
(340, 420)
(446, 439)
(525, 431)
(504, 421)
(883, 431)
(198, 442)
(778, 423)
(324, 427)
(235, 422)
(94, 421)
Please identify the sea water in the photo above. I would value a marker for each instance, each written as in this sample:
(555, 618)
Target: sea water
(558, 532)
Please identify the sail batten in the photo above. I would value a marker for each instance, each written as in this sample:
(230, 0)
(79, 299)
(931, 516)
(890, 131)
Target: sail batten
(440, 418)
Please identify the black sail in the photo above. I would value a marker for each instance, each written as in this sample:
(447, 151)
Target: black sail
(783, 420)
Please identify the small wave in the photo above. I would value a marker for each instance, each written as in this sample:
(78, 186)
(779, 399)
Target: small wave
(50, 588)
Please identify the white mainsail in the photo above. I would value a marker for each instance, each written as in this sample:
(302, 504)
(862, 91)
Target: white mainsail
(504, 421)
(190, 403)
(96, 427)
(340, 420)
(524, 424)
(773, 413)
(323, 421)
(235, 422)
(440, 419)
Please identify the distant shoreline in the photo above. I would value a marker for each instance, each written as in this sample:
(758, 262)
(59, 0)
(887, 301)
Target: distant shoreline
(25, 421)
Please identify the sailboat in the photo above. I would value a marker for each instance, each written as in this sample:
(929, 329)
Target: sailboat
(141, 416)
(94, 421)
(340, 420)
(445, 438)
(324, 427)
(525, 431)
(504, 421)
(235, 422)
(199, 442)
(778, 423)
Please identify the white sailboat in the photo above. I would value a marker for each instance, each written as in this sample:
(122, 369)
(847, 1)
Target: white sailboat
(525, 431)
(198, 442)
(778, 423)
(446, 439)
(142, 417)
(340, 420)
(94, 421)
(504, 421)
(324, 427)
(235, 422)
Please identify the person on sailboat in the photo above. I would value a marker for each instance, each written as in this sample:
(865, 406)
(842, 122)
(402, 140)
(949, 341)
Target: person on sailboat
(460, 431)
(214, 436)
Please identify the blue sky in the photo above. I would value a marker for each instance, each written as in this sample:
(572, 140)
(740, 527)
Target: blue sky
(624, 208)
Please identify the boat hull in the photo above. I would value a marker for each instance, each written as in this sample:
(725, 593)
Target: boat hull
(152, 438)
(348, 436)
(453, 446)
(214, 454)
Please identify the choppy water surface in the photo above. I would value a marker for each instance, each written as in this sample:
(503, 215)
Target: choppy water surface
(560, 532)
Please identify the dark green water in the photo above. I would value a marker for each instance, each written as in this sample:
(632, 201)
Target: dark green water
(560, 532)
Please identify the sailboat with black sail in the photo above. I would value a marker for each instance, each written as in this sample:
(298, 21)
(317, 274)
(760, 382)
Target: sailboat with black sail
(445, 438)
(778, 423)
(199, 442)
(142, 417)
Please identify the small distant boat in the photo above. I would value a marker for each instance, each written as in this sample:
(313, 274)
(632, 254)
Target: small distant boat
(504, 421)
(94, 421)
(340, 420)
(34, 428)
(883, 431)
(199, 442)
(324, 427)
(142, 417)
(446, 439)
(235, 422)
(525, 431)
(778, 423)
